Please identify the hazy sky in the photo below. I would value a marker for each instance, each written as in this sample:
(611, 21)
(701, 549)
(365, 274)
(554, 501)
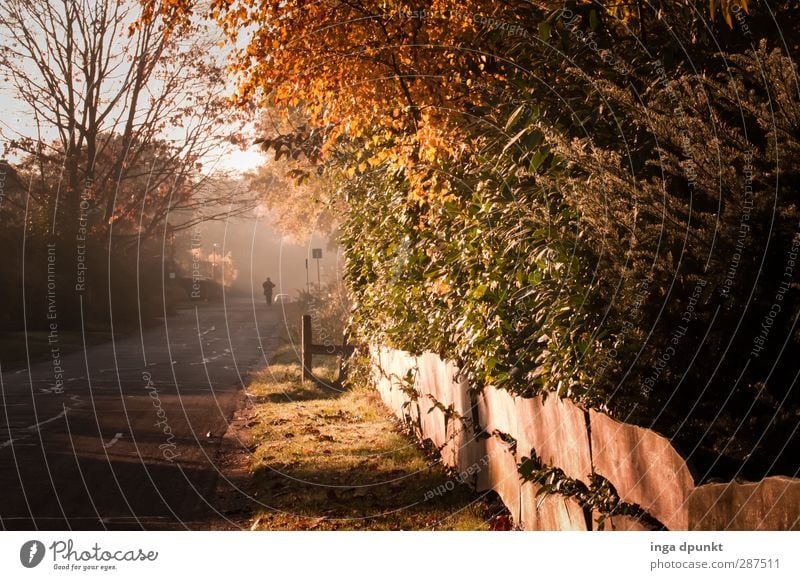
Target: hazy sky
(17, 119)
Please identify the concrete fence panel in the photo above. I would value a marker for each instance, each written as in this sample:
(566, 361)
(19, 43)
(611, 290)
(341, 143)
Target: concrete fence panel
(556, 429)
(462, 451)
(770, 504)
(643, 467)
(500, 474)
(497, 411)
(545, 512)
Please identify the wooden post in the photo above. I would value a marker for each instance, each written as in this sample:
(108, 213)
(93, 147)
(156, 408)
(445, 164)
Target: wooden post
(306, 358)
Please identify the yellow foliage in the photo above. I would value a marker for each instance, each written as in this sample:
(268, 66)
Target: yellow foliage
(381, 70)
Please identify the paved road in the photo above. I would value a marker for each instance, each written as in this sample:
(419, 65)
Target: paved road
(125, 444)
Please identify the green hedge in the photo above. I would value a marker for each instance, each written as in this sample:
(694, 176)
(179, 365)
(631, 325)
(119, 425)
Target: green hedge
(624, 235)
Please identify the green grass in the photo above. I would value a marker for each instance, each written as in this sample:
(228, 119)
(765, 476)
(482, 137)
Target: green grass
(332, 459)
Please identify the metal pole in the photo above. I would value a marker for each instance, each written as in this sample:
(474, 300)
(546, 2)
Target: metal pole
(319, 285)
(308, 282)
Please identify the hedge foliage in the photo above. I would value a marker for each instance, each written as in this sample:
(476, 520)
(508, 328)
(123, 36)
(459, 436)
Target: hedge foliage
(624, 233)
(601, 203)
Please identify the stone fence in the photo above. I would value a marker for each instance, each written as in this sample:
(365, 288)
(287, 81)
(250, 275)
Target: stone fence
(486, 436)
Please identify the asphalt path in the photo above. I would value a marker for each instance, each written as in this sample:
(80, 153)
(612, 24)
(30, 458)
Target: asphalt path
(128, 437)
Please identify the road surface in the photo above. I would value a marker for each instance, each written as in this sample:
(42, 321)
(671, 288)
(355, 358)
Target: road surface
(127, 438)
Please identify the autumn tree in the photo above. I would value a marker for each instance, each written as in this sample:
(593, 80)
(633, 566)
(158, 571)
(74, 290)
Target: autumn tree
(121, 120)
(83, 75)
(292, 185)
(396, 77)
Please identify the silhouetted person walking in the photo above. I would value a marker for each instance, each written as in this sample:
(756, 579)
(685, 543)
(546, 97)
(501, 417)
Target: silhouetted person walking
(268, 286)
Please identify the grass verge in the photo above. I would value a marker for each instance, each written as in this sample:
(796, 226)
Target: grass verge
(336, 459)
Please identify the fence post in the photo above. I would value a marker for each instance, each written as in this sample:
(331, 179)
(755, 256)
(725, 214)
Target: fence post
(306, 358)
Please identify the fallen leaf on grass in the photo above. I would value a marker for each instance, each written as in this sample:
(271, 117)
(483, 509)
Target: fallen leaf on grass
(317, 522)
